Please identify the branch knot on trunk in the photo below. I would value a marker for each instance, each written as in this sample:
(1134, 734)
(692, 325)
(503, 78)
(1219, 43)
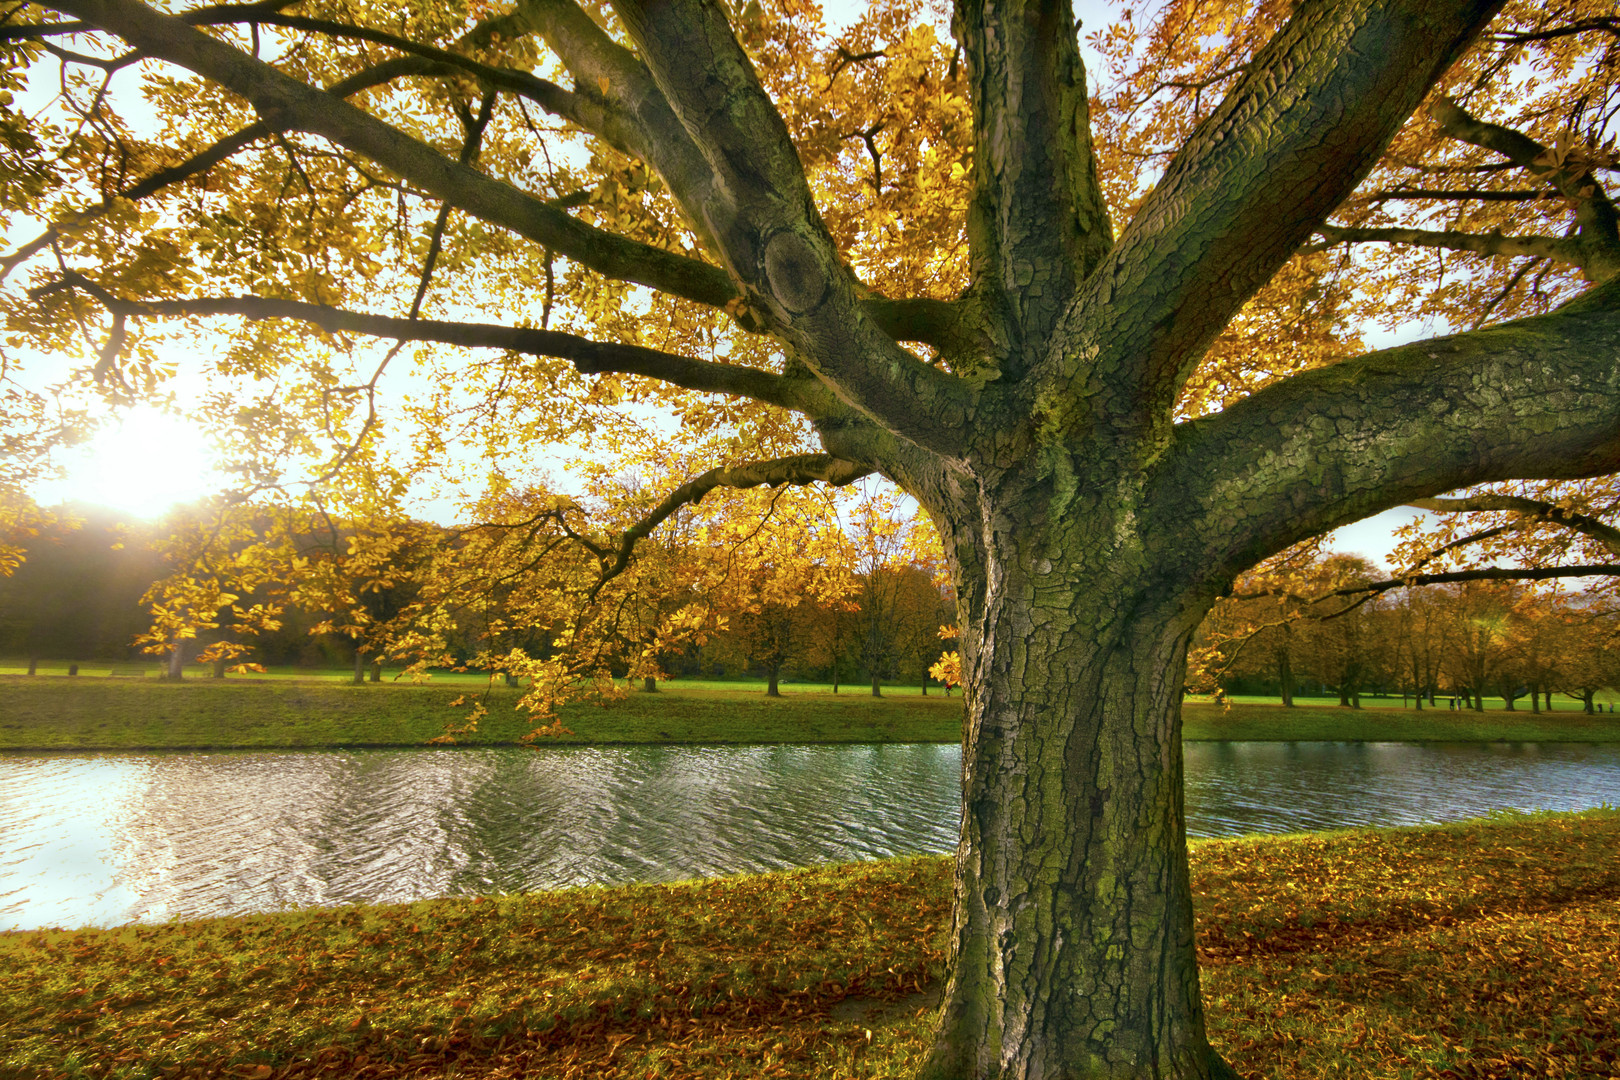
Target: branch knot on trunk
(794, 273)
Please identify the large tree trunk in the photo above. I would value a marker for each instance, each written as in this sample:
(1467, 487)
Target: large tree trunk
(649, 685)
(1073, 920)
(177, 661)
(877, 687)
(771, 674)
(359, 666)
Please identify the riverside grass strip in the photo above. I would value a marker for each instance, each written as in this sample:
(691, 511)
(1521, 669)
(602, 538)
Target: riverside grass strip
(62, 714)
(1480, 950)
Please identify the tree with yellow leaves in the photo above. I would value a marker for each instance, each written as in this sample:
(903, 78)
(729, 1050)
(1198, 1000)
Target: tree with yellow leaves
(1108, 345)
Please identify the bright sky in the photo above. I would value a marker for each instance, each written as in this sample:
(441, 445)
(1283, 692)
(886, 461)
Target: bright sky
(141, 464)
(147, 461)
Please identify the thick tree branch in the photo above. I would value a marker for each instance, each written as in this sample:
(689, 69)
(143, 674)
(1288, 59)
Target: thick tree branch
(285, 103)
(588, 357)
(800, 469)
(863, 362)
(1559, 249)
(607, 72)
(1534, 509)
(1538, 398)
(763, 218)
(1037, 222)
(1303, 125)
(933, 322)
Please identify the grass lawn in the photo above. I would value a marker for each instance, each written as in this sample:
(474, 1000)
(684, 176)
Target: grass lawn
(68, 714)
(131, 714)
(1482, 949)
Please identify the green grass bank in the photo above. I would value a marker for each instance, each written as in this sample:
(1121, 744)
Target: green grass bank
(1481, 950)
(131, 714)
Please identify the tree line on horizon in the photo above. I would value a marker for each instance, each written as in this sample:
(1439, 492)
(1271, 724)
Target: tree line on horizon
(872, 609)
(1448, 645)
(191, 590)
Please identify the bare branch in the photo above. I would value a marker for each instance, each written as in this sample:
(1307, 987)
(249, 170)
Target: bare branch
(1492, 573)
(1461, 541)
(1503, 293)
(1542, 247)
(846, 58)
(1368, 590)
(800, 469)
(1457, 194)
(1604, 26)
(588, 357)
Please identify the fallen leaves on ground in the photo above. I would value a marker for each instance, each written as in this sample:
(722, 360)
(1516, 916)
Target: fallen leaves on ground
(1476, 951)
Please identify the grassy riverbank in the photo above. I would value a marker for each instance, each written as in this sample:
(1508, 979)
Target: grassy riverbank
(131, 714)
(1480, 949)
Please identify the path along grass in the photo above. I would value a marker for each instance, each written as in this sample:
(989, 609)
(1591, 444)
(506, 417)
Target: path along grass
(134, 714)
(1483, 949)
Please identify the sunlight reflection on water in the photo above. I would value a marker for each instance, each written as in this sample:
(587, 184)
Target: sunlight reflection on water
(104, 839)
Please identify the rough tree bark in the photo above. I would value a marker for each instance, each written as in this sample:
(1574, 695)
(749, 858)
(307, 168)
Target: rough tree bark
(1087, 527)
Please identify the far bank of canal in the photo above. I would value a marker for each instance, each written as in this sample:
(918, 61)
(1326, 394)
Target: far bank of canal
(83, 714)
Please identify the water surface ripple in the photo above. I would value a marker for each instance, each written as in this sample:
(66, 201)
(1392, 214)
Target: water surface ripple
(104, 839)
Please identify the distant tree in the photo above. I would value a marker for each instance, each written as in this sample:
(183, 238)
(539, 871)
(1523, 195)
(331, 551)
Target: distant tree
(1587, 641)
(1477, 638)
(217, 554)
(1341, 645)
(1419, 624)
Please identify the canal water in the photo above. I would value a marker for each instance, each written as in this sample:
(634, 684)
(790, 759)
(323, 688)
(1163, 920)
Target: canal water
(114, 838)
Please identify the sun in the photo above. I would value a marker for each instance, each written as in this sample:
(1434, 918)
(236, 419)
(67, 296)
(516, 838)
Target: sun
(140, 463)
